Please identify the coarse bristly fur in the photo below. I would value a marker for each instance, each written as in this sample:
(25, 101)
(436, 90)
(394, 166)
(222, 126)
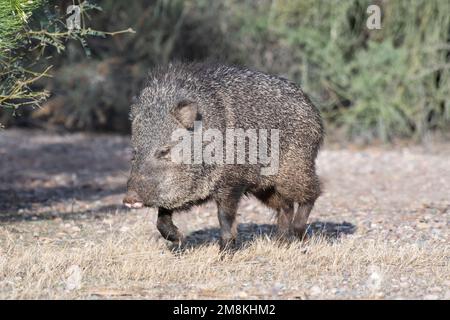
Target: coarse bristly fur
(224, 97)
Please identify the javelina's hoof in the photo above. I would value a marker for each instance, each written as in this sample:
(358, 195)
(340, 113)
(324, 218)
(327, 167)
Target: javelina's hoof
(175, 238)
(301, 234)
(291, 235)
(170, 232)
(227, 245)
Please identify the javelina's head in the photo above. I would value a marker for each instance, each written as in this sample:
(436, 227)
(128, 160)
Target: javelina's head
(156, 180)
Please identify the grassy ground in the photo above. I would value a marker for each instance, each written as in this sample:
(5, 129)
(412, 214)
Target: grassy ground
(380, 230)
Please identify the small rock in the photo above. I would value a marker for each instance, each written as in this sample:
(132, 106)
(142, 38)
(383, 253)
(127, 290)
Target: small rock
(447, 295)
(404, 284)
(375, 278)
(422, 225)
(73, 281)
(315, 290)
(124, 229)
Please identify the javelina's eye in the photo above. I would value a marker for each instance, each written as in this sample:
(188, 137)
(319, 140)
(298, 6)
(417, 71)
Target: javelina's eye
(162, 152)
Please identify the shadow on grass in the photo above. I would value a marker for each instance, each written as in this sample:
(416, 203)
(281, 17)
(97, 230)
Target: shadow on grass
(248, 232)
(47, 173)
(94, 213)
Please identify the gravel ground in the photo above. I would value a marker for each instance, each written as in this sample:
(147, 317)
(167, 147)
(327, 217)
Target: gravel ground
(67, 189)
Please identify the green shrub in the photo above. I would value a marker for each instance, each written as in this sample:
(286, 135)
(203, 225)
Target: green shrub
(374, 83)
(30, 32)
(165, 31)
(392, 82)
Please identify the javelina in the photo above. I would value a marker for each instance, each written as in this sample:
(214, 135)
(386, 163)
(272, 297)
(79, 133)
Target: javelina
(223, 97)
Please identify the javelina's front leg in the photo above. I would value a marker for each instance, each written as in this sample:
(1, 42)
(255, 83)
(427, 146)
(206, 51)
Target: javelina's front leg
(166, 227)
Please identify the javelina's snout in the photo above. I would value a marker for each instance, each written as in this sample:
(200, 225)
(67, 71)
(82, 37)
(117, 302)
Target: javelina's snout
(132, 200)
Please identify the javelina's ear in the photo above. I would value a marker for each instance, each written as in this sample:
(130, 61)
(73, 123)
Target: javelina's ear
(185, 112)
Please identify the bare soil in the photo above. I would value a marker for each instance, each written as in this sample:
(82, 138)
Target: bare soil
(380, 230)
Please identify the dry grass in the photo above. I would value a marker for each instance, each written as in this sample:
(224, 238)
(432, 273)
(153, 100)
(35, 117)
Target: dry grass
(129, 264)
(380, 230)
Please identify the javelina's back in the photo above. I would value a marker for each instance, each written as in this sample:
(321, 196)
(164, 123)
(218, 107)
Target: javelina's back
(249, 99)
(255, 99)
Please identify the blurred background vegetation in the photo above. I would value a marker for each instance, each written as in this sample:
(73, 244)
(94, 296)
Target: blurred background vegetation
(370, 84)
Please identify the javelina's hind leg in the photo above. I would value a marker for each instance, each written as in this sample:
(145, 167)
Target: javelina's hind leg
(300, 219)
(284, 220)
(166, 227)
(292, 221)
(227, 208)
(302, 188)
(284, 209)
